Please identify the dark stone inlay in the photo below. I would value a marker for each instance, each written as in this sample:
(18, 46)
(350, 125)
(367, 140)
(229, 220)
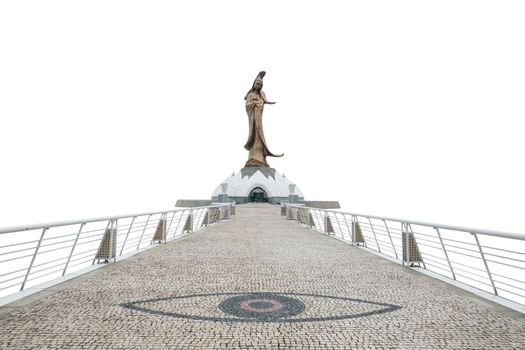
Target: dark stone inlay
(261, 305)
(385, 308)
(271, 306)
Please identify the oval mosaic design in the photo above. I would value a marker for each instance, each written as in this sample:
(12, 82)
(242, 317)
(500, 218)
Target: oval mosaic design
(260, 307)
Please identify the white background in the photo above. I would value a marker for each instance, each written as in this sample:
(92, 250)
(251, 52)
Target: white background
(407, 109)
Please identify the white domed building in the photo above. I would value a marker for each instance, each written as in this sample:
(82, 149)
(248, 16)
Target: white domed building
(257, 184)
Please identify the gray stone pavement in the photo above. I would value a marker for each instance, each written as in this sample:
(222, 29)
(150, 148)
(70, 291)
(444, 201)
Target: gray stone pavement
(258, 281)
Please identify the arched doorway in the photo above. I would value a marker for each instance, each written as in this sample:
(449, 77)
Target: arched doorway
(258, 195)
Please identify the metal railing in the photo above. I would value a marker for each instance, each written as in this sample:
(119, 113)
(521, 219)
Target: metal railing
(34, 254)
(488, 260)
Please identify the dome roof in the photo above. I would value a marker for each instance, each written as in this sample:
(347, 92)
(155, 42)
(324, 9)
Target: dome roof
(240, 185)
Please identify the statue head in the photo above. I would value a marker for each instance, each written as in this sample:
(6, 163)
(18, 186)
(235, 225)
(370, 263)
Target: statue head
(258, 83)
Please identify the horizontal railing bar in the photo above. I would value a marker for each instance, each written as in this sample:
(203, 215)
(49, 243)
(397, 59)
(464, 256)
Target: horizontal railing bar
(55, 243)
(436, 262)
(503, 250)
(472, 273)
(437, 267)
(18, 251)
(434, 225)
(98, 234)
(504, 257)
(434, 256)
(49, 238)
(52, 250)
(10, 273)
(381, 229)
(133, 231)
(508, 291)
(91, 220)
(456, 247)
(132, 240)
(467, 266)
(426, 235)
(472, 279)
(499, 262)
(12, 279)
(86, 242)
(15, 244)
(509, 278)
(84, 253)
(79, 263)
(419, 239)
(461, 242)
(94, 230)
(381, 234)
(49, 262)
(510, 285)
(47, 274)
(387, 244)
(463, 254)
(11, 286)
(46, 268)
(18, 257)
(82, 256)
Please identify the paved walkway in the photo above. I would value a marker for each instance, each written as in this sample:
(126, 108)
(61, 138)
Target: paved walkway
(258, 281)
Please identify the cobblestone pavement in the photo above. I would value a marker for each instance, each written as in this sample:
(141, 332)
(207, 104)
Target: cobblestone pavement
(258, 281)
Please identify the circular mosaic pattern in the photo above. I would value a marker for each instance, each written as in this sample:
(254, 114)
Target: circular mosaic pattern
(261, 306)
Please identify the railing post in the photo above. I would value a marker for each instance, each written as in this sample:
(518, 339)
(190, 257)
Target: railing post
(347, 228)
(127, 234)
(178, 222)
(72, 249)
(144, 230)
(169, 226)
(391, 241)
(338, 224)
(33, 258)
(486, 265)
(375, 237)
(446, 254)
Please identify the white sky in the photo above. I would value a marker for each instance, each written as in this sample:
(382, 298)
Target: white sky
(406, 109)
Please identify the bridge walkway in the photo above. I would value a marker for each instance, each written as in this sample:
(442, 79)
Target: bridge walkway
(257, 281)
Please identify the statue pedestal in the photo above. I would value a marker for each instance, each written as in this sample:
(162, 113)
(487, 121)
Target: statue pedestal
(257, 184)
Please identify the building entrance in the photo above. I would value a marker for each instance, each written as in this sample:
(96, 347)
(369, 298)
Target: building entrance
(257, 195)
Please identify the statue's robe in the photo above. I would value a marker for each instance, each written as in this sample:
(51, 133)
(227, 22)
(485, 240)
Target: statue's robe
(256, 143)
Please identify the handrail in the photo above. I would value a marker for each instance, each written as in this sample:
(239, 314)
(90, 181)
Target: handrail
(85, 221)
(49, 250)
(486, 232)
(443, 249)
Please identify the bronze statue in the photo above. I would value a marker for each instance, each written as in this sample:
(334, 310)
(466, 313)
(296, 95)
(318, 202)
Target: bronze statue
(256, 144)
